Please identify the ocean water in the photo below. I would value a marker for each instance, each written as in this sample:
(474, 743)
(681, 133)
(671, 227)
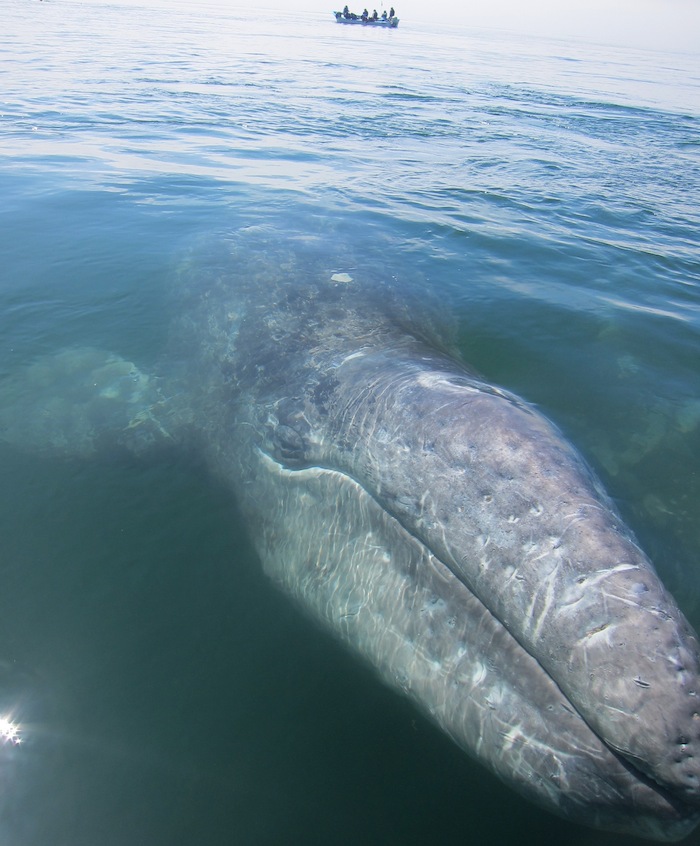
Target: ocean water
(542, 192)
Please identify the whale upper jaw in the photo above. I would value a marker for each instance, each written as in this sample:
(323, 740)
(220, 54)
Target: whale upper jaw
(381, 591)
(511, 513)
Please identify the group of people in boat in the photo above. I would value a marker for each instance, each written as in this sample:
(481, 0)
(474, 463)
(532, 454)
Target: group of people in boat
(365, 16)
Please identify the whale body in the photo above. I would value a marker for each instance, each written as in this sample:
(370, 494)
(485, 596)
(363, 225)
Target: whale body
(436, 524)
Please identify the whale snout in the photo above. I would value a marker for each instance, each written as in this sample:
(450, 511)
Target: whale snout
(495, 493)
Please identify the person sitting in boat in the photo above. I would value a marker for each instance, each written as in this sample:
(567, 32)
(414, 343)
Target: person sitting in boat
(384, 15)
(375, 16)
(391, 12)
(365, 15)
(346, 13)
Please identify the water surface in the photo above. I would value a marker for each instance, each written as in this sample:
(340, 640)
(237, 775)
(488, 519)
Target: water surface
(542, 192)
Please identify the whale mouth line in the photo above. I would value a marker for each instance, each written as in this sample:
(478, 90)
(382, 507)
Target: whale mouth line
(317, 470)
(443, 571)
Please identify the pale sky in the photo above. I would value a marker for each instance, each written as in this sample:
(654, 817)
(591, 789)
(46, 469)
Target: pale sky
(665, 24)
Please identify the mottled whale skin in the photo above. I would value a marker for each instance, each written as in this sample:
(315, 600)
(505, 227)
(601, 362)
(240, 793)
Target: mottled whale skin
(447, 532)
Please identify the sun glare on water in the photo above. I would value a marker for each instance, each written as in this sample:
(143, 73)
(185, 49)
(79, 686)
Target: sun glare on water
(9, 731)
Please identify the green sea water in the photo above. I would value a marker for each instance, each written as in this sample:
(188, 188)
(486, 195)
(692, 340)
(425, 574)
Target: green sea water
(542, 193)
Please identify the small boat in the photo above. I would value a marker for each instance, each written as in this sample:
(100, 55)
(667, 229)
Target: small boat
(352, 18)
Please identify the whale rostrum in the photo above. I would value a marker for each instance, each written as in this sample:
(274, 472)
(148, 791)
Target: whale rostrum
(438, 525)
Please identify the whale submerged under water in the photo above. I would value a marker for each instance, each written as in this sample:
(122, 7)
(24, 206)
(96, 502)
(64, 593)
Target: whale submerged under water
(438, 525)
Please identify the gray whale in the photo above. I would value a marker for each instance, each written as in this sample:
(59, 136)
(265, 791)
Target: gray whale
(438, 525)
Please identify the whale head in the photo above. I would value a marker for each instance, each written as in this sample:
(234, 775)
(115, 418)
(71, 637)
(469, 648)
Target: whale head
(436, 524)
